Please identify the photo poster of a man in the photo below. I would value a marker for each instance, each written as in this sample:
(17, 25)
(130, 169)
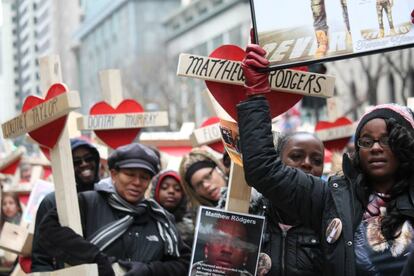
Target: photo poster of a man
(226, 243)
(306, 31)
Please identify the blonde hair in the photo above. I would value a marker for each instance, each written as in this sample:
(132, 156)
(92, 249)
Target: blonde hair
(196, 155)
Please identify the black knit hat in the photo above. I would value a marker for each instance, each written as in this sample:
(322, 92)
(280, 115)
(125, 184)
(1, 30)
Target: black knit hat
(402, 114)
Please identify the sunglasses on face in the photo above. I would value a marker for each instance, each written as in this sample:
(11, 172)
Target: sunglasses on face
(368, 142)
(79, 160)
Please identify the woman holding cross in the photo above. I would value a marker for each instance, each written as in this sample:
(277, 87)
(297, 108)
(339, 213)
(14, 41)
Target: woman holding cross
(364, 218)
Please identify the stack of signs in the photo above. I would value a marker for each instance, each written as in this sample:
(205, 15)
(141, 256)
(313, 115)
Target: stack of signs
(226, 243)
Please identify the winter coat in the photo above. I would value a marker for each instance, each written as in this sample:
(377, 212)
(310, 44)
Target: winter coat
(295, 251)
(141, 242)
(304, 197)
(41, 261)
(183, 217)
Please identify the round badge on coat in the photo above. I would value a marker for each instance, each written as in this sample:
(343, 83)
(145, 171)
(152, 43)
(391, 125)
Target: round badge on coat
(334, 230)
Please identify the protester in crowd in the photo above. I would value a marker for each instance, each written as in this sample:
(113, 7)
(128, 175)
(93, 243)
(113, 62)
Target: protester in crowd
(203, 178)
(11, 209)
(166, 189)
(364, 218)
(292, 248)
(86, 167)
(119, 224)
(226, 250)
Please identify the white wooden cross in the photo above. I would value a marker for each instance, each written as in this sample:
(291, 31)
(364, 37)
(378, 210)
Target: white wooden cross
(61, 154)
(112, 93)
(215, 69)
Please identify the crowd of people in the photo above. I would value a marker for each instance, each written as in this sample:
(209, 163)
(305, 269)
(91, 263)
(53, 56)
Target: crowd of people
(359, 221)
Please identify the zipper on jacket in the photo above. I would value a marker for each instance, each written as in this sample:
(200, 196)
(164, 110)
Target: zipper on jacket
(284, 234)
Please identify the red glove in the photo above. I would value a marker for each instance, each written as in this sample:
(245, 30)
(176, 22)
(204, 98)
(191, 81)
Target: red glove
(255, 82)
(412, 16)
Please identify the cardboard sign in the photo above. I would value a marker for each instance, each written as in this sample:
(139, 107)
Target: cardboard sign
(231, 140)
(302, 32)
(40, 189)
(226, 243)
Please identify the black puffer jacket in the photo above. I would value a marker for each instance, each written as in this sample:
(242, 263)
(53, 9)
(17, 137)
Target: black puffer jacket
(295, 251)
(140, 243)
(41, 261)
(305, 197)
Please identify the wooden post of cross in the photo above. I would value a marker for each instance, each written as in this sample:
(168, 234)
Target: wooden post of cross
(41, 114)
(61, 154)
(332, 108)
(238, 192)
(112, 93)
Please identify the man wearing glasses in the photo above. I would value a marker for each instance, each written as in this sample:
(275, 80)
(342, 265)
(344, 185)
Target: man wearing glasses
(86, 166)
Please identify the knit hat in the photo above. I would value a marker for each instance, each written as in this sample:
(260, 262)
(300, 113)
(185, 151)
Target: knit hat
(402, 114)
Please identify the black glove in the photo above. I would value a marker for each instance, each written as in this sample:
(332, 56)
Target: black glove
(104, 265)
(135, 268)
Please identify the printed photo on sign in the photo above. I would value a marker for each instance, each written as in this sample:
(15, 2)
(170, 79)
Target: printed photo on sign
(231, 140)
(226, 243)
(306, 31)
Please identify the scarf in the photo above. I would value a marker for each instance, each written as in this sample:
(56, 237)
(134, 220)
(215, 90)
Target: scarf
(104, 236)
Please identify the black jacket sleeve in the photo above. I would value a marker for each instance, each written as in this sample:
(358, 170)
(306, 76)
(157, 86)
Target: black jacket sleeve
(41, 261)
(170, 266)
(296, 193)
(63, 243)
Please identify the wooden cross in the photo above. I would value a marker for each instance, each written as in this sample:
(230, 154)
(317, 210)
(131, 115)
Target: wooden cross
(112, 94)
(61, 155)
(229, 72)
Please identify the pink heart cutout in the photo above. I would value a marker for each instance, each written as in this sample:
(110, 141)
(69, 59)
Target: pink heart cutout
(338, 144)
(229, 95)
(115, 138)
(47, 135)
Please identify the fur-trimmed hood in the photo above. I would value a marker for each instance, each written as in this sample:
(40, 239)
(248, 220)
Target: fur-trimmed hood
(192, 157)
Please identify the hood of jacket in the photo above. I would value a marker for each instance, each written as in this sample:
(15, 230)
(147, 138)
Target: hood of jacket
(180, 211)
(76, 143)
(192, 157)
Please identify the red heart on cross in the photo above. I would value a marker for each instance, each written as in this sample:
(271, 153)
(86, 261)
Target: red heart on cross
(47, 135)
(337, 144)
(115, 138)
(217, 146)
(229, 95)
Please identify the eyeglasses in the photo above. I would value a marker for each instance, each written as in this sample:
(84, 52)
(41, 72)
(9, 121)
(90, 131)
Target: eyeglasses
(368, 142)
(206, 177)
(86, 159)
